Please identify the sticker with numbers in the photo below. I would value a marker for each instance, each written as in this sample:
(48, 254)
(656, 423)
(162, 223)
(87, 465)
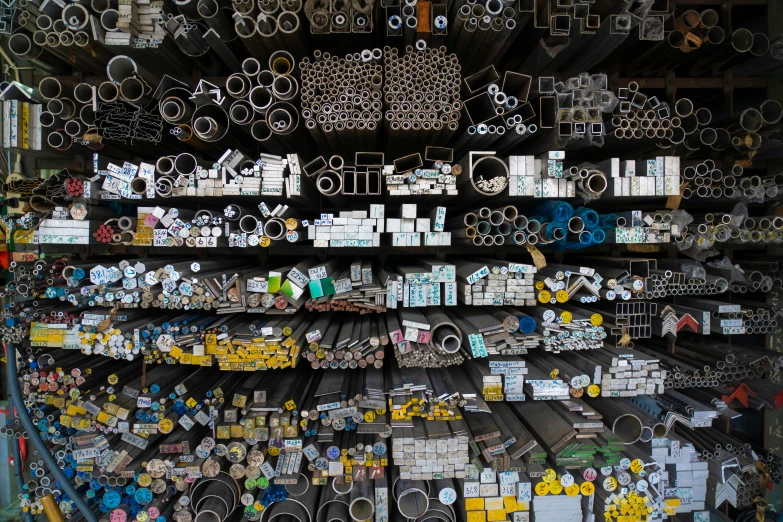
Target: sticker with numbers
(587, 488)
(470, 489)
(542, 488)
(447, 496)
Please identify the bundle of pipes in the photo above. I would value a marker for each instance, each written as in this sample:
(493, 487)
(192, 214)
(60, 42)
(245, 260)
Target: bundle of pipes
(341, 100)
(486, 227)
(710, 181)
(736, 227)
(421, 97)
(697, 365)
(82, 34)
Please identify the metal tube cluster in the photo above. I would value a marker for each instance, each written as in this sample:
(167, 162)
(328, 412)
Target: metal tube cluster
(331, 260)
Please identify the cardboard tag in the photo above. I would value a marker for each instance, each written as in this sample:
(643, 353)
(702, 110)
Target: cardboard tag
(673, 202)
(538, 258)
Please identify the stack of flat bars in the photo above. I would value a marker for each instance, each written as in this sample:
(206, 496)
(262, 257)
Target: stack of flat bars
(542, 387)
(511, 284)
(431, 450)
(373, 400)
(562, 508)
(505, 451)
(629, 372)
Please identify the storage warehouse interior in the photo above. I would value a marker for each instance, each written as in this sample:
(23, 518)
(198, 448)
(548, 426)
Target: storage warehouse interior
(391, 260)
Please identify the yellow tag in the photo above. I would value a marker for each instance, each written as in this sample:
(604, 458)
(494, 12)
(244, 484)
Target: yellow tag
(636, 466)
(572, 490)
(540, 285)
(561, 296)
(672, 502)
(593, 390)
(544, 296)
(566, 317)
(165, 425)
(596, 319)
(290, 405)
(555, 488)
(542, 488)
(553, 374)
(493, 503)
(510, 504)
(264, 241)
(472, 504)
(191, 403)
(113, 379)
(291, 224)
(369, 416)
(496, 515)
(176, 352)
(610, 483)
(144, 480)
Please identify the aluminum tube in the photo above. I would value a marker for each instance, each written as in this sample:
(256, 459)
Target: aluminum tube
(329, 183)
(260, 98)
(165, 165)
(771, 112)
(132, 89)
(282, 63)
(241, 112)
(411, 497)
(361, 506)
(50, 88)
(22, 47)
(238, 85)
(185, 164)
(76, 16)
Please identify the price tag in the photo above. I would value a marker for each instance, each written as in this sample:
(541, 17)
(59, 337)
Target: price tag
(470, 489)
